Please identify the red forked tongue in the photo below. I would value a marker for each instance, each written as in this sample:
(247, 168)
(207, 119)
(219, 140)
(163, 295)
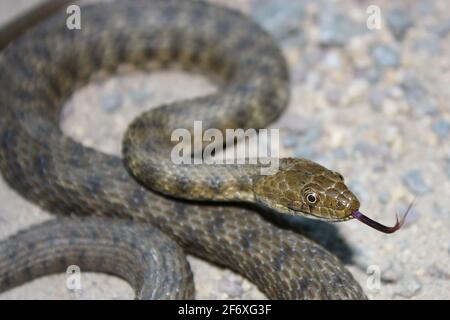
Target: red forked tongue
(378, 226)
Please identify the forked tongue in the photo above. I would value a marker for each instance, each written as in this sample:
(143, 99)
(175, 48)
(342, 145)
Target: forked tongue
(378, 226)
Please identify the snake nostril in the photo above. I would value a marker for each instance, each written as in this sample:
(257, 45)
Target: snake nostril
(343, 201)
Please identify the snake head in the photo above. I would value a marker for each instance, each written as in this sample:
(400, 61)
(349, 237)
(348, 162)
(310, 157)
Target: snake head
(302, 187)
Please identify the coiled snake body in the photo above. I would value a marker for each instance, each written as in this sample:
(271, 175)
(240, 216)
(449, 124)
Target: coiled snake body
(41, 69)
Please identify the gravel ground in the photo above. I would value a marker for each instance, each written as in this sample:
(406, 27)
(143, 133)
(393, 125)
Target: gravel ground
(371, 104)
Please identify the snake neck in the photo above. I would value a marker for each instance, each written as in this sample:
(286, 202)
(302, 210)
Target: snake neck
(197, 181)
(153, 160)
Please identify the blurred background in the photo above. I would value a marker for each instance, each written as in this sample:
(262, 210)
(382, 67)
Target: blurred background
(370, 99)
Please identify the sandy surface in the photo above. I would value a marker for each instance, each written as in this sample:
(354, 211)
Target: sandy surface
(371, 104)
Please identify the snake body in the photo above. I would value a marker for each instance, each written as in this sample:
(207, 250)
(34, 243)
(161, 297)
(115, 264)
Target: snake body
(38, 73)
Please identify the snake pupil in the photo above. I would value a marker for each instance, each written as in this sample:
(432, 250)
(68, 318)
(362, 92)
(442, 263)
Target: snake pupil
(311, 198)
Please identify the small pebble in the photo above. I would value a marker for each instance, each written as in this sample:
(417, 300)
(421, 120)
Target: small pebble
(376, 98)
(336, 136)
(373, 75)
(304, 151)
(425, 7)
(399, 21)
(340, 153)
(441, 128)
(281, 18)
(385, 56)
(311, 135)
(111, 101)
(443, 29)
(417, 96)
(290, 140)
(140, 97)
(447, 169)
(366, 148)
(313, 79)
(392, 271)
(333, 96)
(356, 92)
(440, 211)
(336, 29)
(413, 180)
(332, 60)
(293, 124)
(409, 287)
(231, 288)
(438, 272)
(361, 257)
(430, 44)
(384, 197)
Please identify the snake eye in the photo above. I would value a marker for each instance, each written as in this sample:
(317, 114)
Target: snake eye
(311, 198)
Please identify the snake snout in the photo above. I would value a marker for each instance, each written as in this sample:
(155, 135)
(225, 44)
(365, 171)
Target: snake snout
(350, 202)
(344, 205)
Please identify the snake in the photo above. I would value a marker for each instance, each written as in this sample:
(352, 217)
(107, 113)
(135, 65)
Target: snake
(137, 216)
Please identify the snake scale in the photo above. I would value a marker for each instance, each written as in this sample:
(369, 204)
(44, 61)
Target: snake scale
(118, 225)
